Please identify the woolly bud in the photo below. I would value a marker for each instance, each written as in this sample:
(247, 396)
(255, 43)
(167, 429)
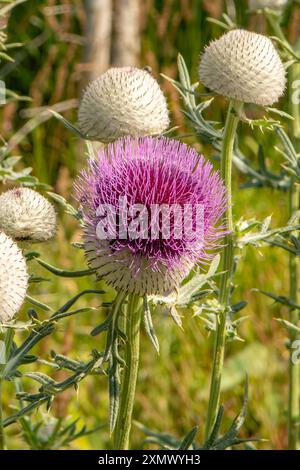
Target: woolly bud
(123, 101)
(244, 66)
(272, 4)
(13, 278)
(26, 215)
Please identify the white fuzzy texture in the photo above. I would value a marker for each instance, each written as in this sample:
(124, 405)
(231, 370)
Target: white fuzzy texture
(13, 278)
(272, 4)
(26, 215)
(123, 101)
(121, 271)
(244, 66)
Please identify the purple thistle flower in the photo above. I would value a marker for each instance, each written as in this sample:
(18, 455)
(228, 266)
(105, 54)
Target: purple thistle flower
(153, 173)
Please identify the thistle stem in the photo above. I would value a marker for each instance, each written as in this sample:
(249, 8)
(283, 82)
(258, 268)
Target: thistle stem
(294, 200)
(227, 268)
(294, 371)
(128, 387)
(8, 339)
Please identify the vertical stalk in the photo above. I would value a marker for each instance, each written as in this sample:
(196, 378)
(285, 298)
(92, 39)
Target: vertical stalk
(294, 200)
(227, 267)
(294, 372)
(8, 339)
(128, 387)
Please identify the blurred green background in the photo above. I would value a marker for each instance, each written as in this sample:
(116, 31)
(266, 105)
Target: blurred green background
(52, 67)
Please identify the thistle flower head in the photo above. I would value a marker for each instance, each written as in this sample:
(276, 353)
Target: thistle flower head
(123, 101)
(167, 203)
(13, 278)
(26, 215)
(243, 66)
(272, 4)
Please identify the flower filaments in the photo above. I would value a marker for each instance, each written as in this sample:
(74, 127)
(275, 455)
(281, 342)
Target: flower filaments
(27, 215)
(243, 66)
(13, 278)
(272, 4)
(123, 101)
(151, 175)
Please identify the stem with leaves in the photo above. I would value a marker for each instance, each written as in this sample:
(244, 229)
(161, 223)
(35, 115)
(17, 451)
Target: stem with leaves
(132, 352)
(227, 268)
(294, 201)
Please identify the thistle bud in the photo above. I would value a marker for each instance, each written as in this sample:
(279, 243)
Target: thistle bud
(123, 101)
(26, 215)
(13, 278)
(243, 66)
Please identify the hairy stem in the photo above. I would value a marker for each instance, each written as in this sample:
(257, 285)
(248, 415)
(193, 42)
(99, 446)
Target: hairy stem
(227, 267)
(294, 368)
(128, 387)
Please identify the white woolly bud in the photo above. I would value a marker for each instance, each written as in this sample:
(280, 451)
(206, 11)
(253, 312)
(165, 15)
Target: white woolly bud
(13, 278)
(123, 101)
(26, 215)
(244, 66)
(272, 4)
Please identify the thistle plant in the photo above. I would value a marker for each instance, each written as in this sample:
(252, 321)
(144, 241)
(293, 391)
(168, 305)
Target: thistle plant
(142, 255)
(246, 68)
(145, 272)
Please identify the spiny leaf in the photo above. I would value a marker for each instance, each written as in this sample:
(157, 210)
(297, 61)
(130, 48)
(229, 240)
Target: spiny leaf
(216, 429)
(149, 325)
(68, 207)
(279, 298)
(100, 328)
(290, 327)
(37, 303)
(65, 273)
(68, 124)
(189, 439)
(280, 113)
(74, 299)
(114, 396)
(176, 316)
